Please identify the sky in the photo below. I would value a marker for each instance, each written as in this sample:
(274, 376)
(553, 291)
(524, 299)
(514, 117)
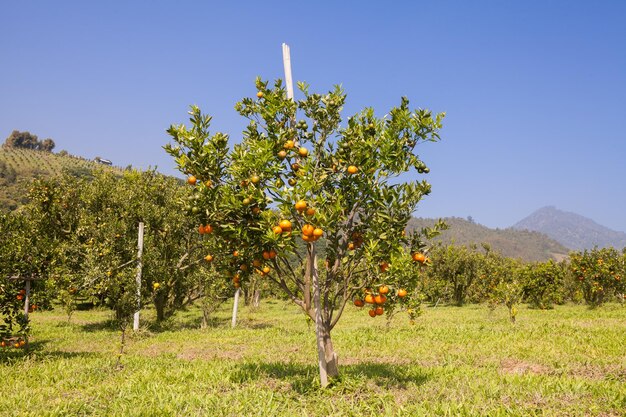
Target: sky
(534, 91)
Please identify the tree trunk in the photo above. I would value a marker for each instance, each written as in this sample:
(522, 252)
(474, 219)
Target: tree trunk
(159, 305)
(256, 300)
(327, 358)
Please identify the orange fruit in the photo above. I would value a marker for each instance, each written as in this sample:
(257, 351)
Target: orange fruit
(300, 205)
(236, 278)
(372, 313)
(244, 267)
(259, 94)
(266, 255)
(379, 311)
(208, 258)
(317, 233)
(369, 298)
(22, 342)
(384, 266)
(352, 169)
(257, 262)
(310, 211)
(307, 238)
(289, 144)
(235, 253)
(419, 257)
(402, 293)
(285, 225)
(208, 184)
(303, 152)
(191, 180)
(359, 303)
(380, 299)
(272, 254)
(267, 269)
(236, 285)
(350, 246)
(308, 230)
(383, 289)
(282, 154)
(277, 230)
(255, 179)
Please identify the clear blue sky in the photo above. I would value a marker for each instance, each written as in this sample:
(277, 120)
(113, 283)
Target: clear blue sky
(535, 91)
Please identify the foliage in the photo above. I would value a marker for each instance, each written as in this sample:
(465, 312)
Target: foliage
(454, 269)
(543, 283)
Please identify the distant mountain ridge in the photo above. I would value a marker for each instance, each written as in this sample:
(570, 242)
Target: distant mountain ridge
(521, 244)
(571, 230)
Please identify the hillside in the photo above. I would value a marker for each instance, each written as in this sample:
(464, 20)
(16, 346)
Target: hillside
(572, 230)
(19, 166)
(525, 245)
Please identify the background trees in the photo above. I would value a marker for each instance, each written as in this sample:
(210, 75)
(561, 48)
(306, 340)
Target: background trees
(27, 140)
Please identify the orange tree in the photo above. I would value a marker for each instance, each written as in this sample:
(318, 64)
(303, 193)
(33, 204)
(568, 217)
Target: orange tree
(600, 274)
(298, 176)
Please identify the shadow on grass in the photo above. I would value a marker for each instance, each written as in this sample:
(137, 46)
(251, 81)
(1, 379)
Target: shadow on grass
(304, 378)
(37, 350)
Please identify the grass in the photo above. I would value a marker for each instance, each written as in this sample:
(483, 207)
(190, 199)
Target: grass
(466, 361)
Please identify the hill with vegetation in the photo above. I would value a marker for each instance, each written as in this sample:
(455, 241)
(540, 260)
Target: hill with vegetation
(571, 229)
(522, 244)
(18, 167)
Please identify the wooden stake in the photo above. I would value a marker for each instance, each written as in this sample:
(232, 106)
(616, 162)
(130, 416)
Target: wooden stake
(233, 323)
(138, 276)
(287, 65)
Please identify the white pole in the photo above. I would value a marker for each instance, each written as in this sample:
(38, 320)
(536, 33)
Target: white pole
(287, 65)
(233, 323)
(138, 276)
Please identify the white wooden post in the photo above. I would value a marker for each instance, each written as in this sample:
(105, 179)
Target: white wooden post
(233, 323)
(27, 298)
(138, 276)
(287, 65)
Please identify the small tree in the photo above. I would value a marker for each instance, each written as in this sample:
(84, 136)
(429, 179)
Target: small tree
(297, 177)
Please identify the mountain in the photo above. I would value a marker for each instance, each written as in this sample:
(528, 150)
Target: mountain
(571, 230)
(521, 244)
(19, 166)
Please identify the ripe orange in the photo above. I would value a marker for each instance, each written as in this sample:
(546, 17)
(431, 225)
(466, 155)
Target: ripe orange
(16, 345)
(310, 211)
(243, 267)
(246, 201)
(208, 229)
(372, 313)
(352, 169)
(402, 293)
(236, 253)
(20, 297)
(308, 230)
(256, 210)
(257, 262)
(208, 258)
(384, 266)
(282, 154)
(266, 255)
(278, 230)
(369, 298)
(259, 94)
(208, 184)
(289, 144)
(300, 205)
(380, 299)
(267, 269)
(383, 289)
(307, 238)
(191, 180)
(419, 257)
(236, 278)
(285, 225)
(350, 246)
(379, 311)
(359, 303)
(272, 254)
(317, 233)
(22, 342)
(303, 152)
(255, 179)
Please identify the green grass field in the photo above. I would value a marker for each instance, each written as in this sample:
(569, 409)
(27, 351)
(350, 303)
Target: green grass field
(570, 361)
